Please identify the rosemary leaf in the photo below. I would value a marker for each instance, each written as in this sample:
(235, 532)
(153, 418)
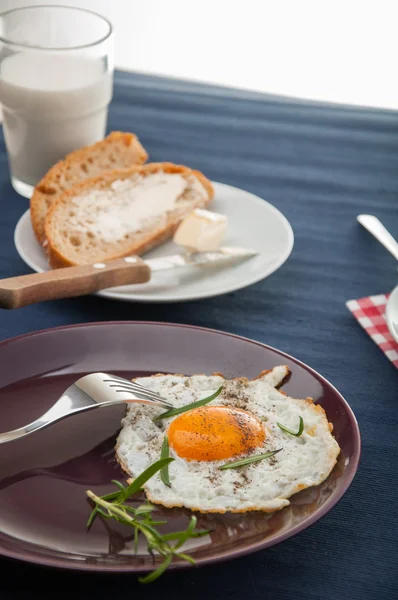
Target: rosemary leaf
(157, 572)
(139, 481)
(144, 509)
(170, 537)
(186, 557)
(187, 534)
(296, 434)
(122, 489)
(92, 517)
(247, 461)
(178, 411)
(164, 473)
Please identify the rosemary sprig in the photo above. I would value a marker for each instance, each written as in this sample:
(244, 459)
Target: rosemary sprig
(296, 434)
(178, 411)
(164, 473)
(133, 488)
(247, 461)
(112, 506)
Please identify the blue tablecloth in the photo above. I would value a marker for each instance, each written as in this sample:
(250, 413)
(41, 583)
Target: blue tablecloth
(320, 165)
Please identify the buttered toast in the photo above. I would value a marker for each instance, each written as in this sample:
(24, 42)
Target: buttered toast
(117, 150)
(122, 212)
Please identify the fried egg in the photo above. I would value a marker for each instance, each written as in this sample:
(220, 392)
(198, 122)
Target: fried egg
(243, 421)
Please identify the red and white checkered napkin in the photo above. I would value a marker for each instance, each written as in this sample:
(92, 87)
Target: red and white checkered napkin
(369, 313)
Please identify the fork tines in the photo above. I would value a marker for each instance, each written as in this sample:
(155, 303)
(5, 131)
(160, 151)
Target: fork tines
(123, 385)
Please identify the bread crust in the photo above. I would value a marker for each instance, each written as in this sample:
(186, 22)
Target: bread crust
(47, 190)
(58, 260)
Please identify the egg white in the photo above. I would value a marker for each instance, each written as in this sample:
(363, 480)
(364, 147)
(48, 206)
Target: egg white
(200, 485)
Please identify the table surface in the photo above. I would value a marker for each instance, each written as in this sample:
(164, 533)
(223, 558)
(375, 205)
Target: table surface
(320, 165)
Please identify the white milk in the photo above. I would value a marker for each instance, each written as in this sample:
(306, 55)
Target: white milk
(51, 106)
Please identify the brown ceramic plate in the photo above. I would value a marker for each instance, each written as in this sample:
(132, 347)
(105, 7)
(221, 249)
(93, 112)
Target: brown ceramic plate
(43, 477)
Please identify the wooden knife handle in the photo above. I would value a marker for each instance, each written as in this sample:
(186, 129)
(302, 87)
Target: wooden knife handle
(16, 292)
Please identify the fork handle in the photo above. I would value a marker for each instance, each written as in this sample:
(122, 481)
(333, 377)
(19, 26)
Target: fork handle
(16, 292)
(15, 434)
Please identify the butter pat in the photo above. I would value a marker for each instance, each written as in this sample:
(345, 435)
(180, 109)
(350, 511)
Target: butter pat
(201, 231)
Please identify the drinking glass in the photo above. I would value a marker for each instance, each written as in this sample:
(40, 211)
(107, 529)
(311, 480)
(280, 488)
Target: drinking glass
(56, 78)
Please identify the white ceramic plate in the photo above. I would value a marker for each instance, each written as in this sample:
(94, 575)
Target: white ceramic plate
(252, 223)
(392, 313)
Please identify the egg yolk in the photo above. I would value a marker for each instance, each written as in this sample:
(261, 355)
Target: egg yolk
(215, 433)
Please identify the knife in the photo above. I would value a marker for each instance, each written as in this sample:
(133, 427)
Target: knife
(68, 282)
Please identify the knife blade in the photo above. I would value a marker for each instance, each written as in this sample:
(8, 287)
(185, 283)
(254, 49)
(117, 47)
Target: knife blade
(69, 282)
(224, 255)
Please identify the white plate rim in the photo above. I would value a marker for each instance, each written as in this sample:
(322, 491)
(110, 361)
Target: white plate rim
(393, 299)
(150, 298)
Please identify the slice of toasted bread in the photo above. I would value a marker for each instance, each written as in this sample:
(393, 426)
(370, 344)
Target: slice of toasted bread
(117, 150)
(122, 212)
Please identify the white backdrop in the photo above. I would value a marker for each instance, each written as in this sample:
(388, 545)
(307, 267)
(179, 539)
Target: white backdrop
(336, 50)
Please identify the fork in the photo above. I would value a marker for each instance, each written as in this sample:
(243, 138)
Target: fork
(91, 391)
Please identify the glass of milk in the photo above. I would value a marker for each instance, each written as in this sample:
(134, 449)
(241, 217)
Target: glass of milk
(56, 77)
